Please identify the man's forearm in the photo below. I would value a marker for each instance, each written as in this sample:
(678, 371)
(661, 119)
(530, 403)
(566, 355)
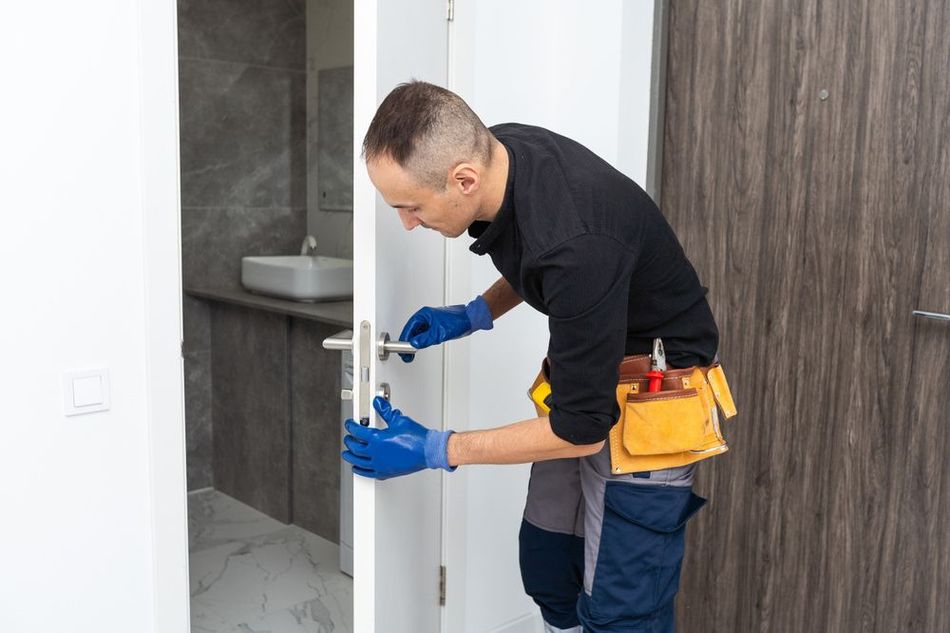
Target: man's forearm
(501, 298)
(518, 443)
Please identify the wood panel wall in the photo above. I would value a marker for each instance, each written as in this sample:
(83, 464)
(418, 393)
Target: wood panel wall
(807, 172)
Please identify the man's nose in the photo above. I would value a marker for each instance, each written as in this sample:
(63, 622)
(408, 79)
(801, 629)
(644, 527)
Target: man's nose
(409, 221)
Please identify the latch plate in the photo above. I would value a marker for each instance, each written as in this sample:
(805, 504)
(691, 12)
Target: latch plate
(365, 358)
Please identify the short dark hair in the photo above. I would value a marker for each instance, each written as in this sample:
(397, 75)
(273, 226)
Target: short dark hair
(427, 130)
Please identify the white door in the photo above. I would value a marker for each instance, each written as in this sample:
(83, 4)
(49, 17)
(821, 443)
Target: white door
(397, 531)
(585, 71)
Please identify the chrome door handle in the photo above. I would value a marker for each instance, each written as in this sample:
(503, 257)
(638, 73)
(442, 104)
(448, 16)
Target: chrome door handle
(341, 341)
(932, 315)
(385, 347)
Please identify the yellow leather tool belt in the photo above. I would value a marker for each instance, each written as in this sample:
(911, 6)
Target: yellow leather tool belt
(675, 426)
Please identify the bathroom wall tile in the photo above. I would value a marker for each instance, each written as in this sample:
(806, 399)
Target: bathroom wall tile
(317, 436)
(197, 365)
(271, 33)
(198, 424)
(334, 232)
(243, 132)
(197, 325)
(243, 182)
(251, 401)
(214, 240)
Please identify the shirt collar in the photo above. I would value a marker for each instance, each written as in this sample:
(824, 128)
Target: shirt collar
(486, 233)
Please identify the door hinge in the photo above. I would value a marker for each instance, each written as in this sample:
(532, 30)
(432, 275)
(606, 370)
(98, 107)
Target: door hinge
(450, 12)
(442, 586)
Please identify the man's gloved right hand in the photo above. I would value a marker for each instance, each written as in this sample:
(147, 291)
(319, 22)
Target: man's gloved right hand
(431, 326)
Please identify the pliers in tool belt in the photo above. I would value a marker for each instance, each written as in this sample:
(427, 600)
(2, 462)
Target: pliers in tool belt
(657, 366)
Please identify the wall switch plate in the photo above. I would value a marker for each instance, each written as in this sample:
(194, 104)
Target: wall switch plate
(86, 391)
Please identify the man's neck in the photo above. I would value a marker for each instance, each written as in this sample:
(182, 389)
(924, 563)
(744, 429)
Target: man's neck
(497, 182)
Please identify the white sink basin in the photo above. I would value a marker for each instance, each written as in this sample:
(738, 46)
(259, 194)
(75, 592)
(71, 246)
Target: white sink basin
(299, 277)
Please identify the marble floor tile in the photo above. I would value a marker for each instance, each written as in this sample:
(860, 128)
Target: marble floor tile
(252, 574)
(215, 519)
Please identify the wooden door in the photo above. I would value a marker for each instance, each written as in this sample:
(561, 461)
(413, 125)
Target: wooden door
(807, 172)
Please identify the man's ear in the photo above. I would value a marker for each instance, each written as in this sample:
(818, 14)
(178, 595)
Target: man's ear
(466, 178)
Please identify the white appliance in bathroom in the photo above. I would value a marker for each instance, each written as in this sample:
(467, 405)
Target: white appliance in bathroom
(346, 474)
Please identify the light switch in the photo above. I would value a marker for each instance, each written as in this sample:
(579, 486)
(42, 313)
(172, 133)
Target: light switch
(86, 391)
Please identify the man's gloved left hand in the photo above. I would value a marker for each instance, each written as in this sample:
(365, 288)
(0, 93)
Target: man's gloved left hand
(403, 447)
(431, 326)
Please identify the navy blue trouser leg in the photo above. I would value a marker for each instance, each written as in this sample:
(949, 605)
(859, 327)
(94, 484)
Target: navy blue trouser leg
(552, 570)
(635, 576)
(551, 540)
(602, 550)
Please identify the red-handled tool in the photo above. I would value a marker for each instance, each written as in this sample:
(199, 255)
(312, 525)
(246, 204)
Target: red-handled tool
(657, 367)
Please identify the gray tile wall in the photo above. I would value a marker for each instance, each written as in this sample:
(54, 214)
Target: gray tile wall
(242, 85)
(242, 89)
(251, 401)
(269, 33)
(317, 437)
(197, 357)
(276, 407)
(261, 395)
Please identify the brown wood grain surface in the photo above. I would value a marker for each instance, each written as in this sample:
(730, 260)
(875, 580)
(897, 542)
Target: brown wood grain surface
(807, 173)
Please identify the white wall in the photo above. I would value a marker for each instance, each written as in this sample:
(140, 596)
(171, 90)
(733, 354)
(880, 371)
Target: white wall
(80, 171)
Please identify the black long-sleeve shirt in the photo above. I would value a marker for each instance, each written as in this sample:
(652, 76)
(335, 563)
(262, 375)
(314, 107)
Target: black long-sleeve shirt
(586, 246)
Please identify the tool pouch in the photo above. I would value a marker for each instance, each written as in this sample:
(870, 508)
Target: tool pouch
(540, 391)
(673, 427)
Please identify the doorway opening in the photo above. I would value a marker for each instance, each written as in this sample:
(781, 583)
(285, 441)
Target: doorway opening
(266, 129)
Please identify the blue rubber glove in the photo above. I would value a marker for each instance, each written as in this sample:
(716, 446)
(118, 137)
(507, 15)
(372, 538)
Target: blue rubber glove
(431, 326)
(403, 447)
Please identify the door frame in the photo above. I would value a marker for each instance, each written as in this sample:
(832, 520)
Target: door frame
(161, 208)
(161, 237)
(640, 158)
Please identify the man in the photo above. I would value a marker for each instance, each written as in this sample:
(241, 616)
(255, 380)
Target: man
(584, 245)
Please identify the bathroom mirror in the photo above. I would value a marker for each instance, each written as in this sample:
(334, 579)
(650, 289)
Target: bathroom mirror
(335, 139)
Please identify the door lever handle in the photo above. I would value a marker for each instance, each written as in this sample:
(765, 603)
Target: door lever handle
(341, 341)
(932, 315)
(385, 347)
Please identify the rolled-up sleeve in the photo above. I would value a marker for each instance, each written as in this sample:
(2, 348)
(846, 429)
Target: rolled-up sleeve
(585, 283)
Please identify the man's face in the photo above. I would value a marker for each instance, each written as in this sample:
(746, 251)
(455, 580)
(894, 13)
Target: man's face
(448, 211)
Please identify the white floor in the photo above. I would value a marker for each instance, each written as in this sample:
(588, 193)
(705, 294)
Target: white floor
(252, 574)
